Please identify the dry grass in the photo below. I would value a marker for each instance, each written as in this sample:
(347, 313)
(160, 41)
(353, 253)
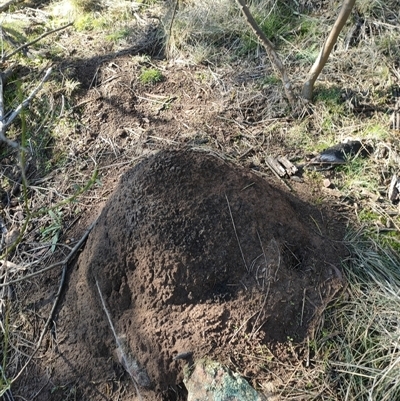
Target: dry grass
(355, 354)
(363, 354)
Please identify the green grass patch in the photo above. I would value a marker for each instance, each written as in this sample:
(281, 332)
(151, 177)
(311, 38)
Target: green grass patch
(270, 80)
(279, 21)
(52, 230)
(331, 97)
(307, 26)
(302, 136)
(357, 175)
(118, 35)
(87, 5)
(308, 55)
(276, 22)
(376, 131)
(90, 22)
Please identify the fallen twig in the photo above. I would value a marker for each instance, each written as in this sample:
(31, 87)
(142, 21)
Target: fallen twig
(46, 326)
(65, 261)
(137, 373)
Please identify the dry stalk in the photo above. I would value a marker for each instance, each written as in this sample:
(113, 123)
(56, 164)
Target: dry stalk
(236, 234)
(46, 326)
(5, 123)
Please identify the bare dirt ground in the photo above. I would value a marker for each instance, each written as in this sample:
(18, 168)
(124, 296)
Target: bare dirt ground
(198, 248)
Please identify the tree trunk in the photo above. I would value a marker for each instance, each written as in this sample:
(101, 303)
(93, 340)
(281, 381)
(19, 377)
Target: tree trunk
(322, 58)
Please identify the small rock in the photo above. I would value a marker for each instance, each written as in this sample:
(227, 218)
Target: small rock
(327, 183)
(209, 380)
(11, 236)
(296, 178)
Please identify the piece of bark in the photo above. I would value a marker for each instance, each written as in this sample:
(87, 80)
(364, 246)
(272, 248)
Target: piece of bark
(276, 166)
(291, 169)
(394, 187)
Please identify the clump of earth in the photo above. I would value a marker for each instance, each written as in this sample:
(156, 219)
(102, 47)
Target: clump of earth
(192, 256)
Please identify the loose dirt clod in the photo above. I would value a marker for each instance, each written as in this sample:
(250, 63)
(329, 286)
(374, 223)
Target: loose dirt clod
(193, 254)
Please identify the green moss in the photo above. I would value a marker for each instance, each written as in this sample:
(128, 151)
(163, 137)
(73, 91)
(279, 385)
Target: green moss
(150, 76)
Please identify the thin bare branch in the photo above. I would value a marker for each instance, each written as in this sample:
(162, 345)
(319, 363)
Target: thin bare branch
(127, 360)
(5, 124)
(236, 234)
(46, 326)
(322, 58)
(24, 46)
(270, 49)
(25, 102)
(2, 129)
(7, 4)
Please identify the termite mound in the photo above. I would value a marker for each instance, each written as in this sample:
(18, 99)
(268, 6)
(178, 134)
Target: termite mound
(194, 254)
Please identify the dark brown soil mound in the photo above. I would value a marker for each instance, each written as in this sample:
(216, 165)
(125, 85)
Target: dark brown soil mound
(194, 255)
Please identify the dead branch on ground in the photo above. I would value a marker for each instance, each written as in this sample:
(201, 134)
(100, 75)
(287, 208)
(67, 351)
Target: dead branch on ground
(64, 263)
